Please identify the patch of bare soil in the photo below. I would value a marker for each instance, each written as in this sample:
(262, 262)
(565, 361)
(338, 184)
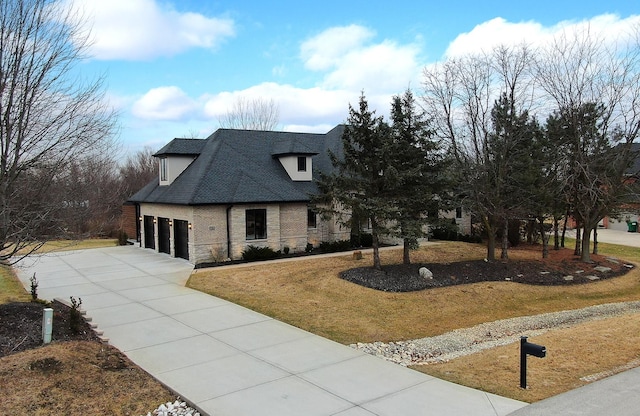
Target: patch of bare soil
(21, 326)
(75, 374)
(562, 267)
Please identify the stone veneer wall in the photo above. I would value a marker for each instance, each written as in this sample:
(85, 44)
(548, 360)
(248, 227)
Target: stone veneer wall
(173, 212)
(293, 227)
(239, 230)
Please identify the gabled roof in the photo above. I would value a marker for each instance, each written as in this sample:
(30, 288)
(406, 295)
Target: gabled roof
(241, 166)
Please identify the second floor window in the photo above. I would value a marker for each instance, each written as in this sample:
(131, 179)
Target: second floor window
(256, 220)
(302, 164)
(163, 169)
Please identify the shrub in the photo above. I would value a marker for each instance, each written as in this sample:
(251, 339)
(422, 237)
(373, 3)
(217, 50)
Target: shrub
(335, 246)
(34, 288)
(362, 240)
(449, 232)
(123, 238)
(254, 253)
(308, 248)
(75, 316)
(286, 250)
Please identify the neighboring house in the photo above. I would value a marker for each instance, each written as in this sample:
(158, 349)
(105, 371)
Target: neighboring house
(629, 212)
(214, 197)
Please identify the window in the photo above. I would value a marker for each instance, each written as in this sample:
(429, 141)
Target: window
(256, 224)
(312, 221)
(459, 212)
(163, 169)
(302, 163)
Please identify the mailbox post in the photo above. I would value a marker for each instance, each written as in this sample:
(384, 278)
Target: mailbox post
(528, 348)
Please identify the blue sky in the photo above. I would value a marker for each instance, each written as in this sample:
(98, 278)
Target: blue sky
(173, 68)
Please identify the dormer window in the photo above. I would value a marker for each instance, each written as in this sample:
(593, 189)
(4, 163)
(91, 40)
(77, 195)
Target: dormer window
(302, 163)
(163, 169)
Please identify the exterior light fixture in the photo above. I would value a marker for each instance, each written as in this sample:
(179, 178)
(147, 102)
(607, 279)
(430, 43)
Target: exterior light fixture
(170, 223)
(190, 226)
(154, 220)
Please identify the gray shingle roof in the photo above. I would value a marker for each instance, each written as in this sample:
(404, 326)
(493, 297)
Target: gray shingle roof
(239, 166)
(182, 147)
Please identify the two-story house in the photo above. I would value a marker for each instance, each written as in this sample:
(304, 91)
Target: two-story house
(216, 196)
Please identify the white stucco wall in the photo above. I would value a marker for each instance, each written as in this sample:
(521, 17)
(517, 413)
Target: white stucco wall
(290, 164)
(175, 166)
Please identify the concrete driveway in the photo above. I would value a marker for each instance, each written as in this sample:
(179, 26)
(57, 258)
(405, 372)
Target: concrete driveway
(228, 360)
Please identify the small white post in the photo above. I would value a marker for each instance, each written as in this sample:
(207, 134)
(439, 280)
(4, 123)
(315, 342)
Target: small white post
(47, 324)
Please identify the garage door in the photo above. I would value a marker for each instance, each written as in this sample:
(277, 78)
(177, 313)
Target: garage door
(164, 236)
(181, 238)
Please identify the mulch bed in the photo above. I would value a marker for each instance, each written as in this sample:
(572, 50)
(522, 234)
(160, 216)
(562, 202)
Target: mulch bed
(21, 326)
(535, 271)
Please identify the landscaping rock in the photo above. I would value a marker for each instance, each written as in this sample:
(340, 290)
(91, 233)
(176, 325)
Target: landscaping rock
(602, 269)
(467, 341)
(592, 277)
(568, 278)
(425, 273)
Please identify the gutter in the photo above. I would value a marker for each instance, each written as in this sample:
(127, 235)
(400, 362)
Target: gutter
(229, 231)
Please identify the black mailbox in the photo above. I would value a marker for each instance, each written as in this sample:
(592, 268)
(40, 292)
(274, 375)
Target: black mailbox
(528, 348)
(536, 350)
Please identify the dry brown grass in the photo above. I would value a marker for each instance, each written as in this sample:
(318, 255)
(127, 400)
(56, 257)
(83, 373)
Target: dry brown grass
(11, 289)
(76, 378)
(309, 294)
(66, 245)
(572, 353)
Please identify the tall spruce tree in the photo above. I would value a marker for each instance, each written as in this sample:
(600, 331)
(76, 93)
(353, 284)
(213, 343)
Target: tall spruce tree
(362, 181)
(510, 164)
(419, 164)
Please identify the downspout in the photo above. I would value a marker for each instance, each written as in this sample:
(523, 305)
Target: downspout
(229, 231)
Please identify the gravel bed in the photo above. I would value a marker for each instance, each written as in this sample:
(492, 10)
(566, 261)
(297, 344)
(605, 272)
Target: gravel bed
(177, 408)
(467, 341)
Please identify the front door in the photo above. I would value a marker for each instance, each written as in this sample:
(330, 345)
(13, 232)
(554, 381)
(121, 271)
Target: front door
(164, 235)
(181, 238)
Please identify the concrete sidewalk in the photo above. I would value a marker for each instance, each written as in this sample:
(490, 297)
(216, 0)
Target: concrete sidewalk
(230, 361)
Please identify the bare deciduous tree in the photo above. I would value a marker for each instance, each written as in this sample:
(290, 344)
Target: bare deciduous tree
(595, 87)
(458, 98)
(570, 78)
(48, 116)
(251, 114)
(138, 170)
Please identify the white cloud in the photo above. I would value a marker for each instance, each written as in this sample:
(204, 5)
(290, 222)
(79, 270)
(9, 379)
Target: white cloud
(165, 103)
(353, 62)
(145, 29)
(327, 49)
(498, 31)
(300, 106)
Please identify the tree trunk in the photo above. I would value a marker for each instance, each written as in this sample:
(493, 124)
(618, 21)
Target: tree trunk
(491, 239)
(576, 250)
(406, 257)
(504, 255)
(564, 229)
(586, 241)
(595, 240)
(545, 239)
(556, 235)
(376, 245)
(531, 224)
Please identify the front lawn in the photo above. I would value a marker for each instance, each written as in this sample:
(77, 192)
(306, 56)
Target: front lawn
(309, 294)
